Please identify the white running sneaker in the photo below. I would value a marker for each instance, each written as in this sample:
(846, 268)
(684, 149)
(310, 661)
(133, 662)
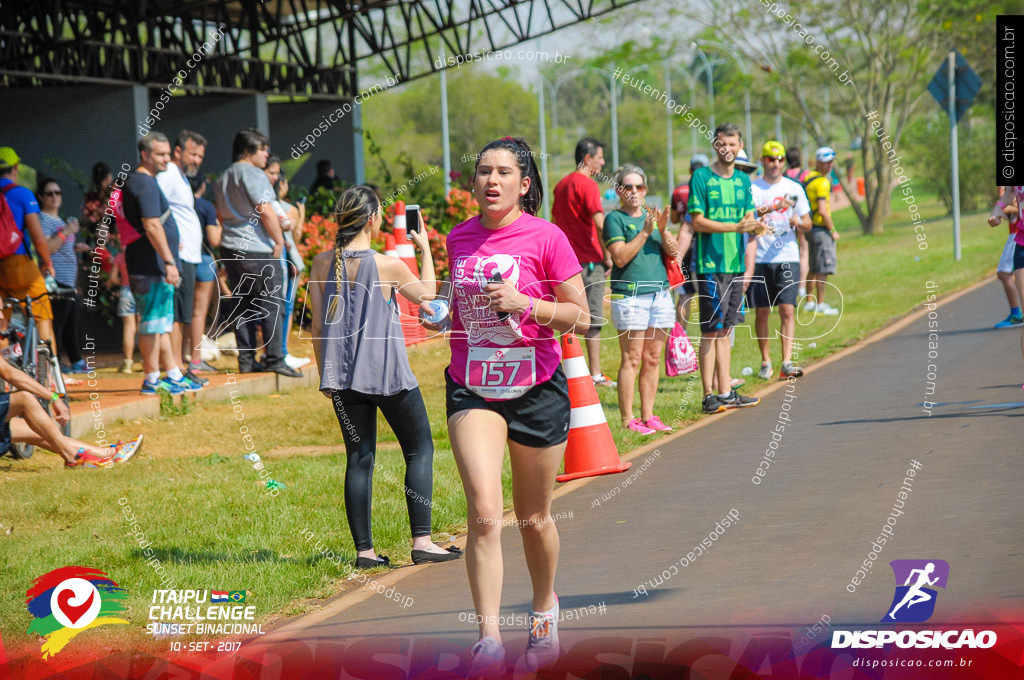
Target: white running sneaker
(827, 309)
(542, 647)
(809, 305)
(295, 362)
(487, 659)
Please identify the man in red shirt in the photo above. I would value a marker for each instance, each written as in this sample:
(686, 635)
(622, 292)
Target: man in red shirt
(577, 210)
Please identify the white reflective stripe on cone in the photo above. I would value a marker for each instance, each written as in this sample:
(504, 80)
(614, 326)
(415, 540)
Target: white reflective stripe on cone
(391, 253)
(575, 367)
(405, 250)
(583, 416)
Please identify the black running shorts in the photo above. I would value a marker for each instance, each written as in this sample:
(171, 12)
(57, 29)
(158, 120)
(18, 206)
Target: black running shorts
(774, 283)
(539, 418)
(720, 296)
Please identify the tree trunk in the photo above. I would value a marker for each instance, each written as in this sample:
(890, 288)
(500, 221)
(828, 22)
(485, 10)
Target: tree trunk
(878, 200)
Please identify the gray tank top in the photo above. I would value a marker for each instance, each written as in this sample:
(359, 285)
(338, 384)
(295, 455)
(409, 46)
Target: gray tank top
(363, 348)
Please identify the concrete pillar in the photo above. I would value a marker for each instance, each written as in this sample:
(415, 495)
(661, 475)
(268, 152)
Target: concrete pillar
(78, 125)
(313, 130)
(217, 117)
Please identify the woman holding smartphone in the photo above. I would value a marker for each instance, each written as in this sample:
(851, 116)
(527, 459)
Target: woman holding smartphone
(515, 281)
(363, 364)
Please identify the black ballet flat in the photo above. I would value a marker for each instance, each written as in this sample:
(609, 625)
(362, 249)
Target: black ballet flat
(424, 556)
(369, 563)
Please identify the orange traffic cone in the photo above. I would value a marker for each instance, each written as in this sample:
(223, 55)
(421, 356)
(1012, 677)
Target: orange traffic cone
(591, 450)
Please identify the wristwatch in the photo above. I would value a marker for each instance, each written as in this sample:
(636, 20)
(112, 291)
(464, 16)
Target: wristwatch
(169, 263)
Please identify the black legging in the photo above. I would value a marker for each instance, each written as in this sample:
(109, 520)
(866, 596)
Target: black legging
(407, 416)
(66, 335)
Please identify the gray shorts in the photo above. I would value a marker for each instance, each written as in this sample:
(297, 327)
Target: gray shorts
(595, 282)
(821, 251)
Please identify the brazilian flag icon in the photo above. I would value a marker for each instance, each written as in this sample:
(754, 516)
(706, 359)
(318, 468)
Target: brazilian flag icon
(237, 595)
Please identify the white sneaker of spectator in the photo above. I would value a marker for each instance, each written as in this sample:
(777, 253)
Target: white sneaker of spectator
(295, 362)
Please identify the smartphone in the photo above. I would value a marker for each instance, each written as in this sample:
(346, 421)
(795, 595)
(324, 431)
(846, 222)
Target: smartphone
(302, 200)
(496, 278)
(412, 217)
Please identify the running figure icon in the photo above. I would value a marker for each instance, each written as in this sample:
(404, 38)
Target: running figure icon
(917, 582)
(915, 595)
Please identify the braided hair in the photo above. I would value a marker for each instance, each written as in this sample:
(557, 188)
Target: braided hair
(531, 201)
(355, 206)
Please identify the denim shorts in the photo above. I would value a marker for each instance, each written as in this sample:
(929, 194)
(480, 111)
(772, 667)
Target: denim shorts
(205, 270)
(126, 302)
(640, 312)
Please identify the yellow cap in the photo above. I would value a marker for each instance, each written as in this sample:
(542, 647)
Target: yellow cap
(772, 149)
(8, 159)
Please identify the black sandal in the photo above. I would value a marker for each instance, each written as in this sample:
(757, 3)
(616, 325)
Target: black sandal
(425, 556)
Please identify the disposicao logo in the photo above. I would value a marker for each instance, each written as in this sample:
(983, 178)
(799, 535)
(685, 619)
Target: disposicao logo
(914, 602)
(918, 577)
(66, 601)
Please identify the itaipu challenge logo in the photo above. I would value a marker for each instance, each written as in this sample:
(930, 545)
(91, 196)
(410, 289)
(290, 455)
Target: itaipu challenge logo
(914, 601)
(67, 601)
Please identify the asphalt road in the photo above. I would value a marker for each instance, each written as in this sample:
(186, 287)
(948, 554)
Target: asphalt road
(854, 427)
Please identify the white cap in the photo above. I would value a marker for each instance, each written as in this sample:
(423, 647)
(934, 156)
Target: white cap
(825, 154)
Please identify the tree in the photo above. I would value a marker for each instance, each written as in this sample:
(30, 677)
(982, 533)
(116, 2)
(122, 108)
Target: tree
(875, 57)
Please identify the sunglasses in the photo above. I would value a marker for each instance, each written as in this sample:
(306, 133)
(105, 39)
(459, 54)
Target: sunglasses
(777, 159)
(51, 193)
(630, 187)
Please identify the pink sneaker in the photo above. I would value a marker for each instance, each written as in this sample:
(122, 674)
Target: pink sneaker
(654, 423)
(638, 426)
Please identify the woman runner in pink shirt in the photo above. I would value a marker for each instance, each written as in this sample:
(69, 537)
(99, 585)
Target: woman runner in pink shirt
(515, 281)
(1011, 195)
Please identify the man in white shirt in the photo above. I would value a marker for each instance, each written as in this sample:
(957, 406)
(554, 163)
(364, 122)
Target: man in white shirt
(774, 257)
(187, 156)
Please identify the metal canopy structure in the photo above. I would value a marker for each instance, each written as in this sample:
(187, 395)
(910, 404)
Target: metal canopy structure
(301, 48)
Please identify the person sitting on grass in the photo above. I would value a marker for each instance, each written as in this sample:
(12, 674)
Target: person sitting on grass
(23, 420)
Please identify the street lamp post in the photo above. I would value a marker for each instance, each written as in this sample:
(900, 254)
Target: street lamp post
(710, 79)
(615, 120)
(612, 102)
(670, 169)
(745, 68)
(446, 151)
(543, 143)
(778, 114)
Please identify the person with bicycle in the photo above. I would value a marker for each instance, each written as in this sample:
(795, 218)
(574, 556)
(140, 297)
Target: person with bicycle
(19, 274)
(24, 419)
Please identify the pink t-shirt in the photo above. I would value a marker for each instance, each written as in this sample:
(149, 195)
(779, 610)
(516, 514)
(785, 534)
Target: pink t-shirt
(502, 358)
(1019, 238)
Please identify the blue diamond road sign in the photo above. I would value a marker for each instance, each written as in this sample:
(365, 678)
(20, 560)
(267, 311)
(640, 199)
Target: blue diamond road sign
(967, 85)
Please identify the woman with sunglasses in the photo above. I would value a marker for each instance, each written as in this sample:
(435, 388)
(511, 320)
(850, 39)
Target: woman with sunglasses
(61, 237)
(358, 343)
(642, 309)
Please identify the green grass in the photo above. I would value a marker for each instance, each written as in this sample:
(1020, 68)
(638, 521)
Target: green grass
(213, 526)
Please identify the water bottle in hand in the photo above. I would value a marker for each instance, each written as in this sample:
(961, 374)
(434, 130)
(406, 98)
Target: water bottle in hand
(439, 315)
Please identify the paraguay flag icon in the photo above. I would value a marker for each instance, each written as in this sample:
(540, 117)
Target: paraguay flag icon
(914, 600)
